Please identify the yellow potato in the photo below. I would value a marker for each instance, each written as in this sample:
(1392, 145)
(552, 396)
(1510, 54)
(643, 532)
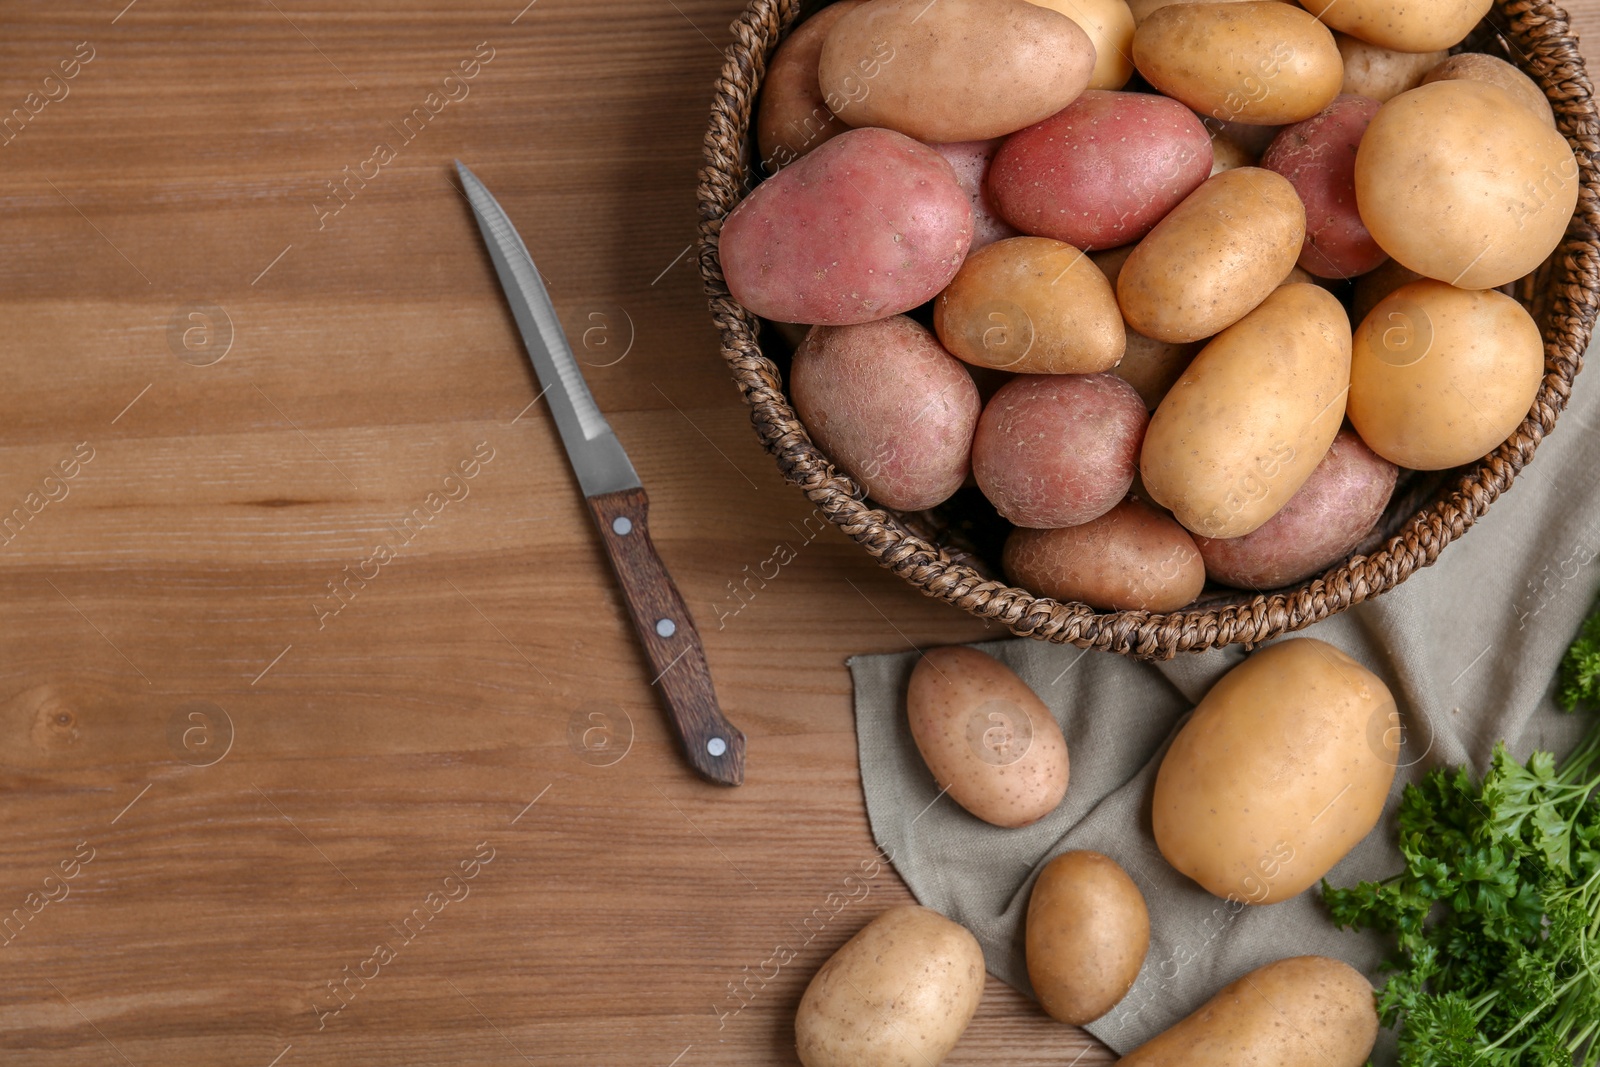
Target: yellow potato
(1376, 284)
(1214, 257)
(1460, 182)
(1382, 73)
(898, 994)
(1132, 558)
(1253, 415)
(986, 737)
(1142, 8)
(1109, 24)
(956, 70)
(793, 117)
(1282, 768)
(1262, 62)
(1305, 1011)
(1228, 154)
(1440, 375)
(1428, 27)
(1150, 366)
(1087, 934)
(1478, 67)
(1031, 305)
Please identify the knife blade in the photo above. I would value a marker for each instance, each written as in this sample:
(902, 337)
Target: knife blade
(712, 745)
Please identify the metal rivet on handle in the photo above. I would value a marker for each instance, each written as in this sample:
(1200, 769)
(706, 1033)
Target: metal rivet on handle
(716, 746)
(622, 526)
(666, 627)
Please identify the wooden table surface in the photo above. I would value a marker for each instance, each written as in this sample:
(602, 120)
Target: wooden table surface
(270, 796)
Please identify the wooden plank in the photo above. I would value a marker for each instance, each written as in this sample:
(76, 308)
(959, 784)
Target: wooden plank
(259, 753)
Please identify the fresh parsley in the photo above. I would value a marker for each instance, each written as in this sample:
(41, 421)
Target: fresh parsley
(1496, 916)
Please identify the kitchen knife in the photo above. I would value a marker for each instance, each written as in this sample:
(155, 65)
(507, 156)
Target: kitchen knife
(712, 745)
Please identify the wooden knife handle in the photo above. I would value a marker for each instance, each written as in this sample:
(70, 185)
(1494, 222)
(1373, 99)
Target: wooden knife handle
(712, 744)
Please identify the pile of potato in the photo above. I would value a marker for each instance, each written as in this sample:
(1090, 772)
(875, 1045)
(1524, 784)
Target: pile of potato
(1182, 328)
(1282, 769)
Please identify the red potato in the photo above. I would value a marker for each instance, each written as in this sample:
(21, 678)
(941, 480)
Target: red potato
(1318, 156)
(1132, 558)
(887, 403)
(1058, 449)
(867, 226)
(1319, 526)
(795, 115)
(970, 160)
(1103, 171)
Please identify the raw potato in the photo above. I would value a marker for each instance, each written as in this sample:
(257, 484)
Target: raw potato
(970, 160)
(1441, 375)
(1318, 156)
(1282, 768)
(1132, 558)
(1031, 305)
(898, 994)
(1253, 139)
(1382, 73)
(1254, 414)
(1109, 24)
(1103, 171)
(1228, 154)
(1306, 1011)
(1320, 525)
(1150, 366)
(1427, 27)
(1215, 257)
(1260, 62)
(1058, 449)
(1461, 182)
(890, 406)
(1087, 934)
(1374, 285)
(867, 226)
(794, 117)
(986, 737)
(1478, 67)
(958, 70)
(1142, 8)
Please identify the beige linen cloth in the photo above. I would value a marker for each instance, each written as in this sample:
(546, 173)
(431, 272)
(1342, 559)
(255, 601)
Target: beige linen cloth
(1469, 647)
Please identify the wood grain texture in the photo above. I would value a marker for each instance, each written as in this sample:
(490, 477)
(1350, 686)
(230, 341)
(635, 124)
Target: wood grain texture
(285, 673)
(712, 745)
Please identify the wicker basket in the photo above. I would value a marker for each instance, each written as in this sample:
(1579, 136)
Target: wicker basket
(1423, 517)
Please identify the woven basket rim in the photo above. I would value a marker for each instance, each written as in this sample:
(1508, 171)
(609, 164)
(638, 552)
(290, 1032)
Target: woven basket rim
(1540, 43)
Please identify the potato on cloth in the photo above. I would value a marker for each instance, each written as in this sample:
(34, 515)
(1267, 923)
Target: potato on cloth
(1468, 647)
